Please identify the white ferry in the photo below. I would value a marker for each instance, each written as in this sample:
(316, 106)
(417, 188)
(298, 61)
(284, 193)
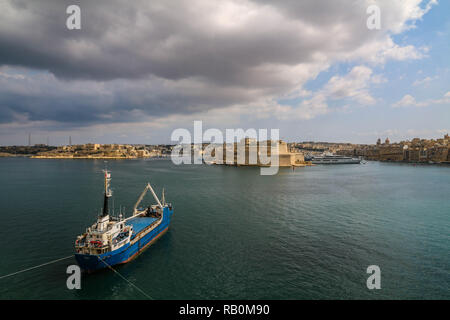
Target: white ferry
(334, 159)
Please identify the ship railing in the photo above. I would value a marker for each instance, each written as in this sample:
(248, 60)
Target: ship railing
(102, 247)
(88, 245)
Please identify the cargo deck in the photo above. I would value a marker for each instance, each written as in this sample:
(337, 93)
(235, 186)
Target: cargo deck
(140, 223)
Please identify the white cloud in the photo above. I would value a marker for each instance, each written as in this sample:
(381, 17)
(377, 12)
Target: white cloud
(354, 86)
(409, 101)
(424, 81)
(310, 108)
(444, 100)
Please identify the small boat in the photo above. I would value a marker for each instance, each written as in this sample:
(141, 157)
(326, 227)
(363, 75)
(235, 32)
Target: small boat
(115, 240)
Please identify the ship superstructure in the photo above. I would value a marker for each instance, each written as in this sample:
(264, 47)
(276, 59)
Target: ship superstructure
(113, 240)
(328, 158)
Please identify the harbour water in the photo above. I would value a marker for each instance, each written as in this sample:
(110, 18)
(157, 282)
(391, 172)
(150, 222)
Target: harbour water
(304, 234)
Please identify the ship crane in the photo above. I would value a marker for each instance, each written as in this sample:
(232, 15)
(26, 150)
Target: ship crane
(147, 187)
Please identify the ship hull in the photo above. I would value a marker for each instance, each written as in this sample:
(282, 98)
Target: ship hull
(126, 253)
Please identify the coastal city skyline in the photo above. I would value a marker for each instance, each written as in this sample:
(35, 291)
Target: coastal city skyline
(317, 73)
(429, 151)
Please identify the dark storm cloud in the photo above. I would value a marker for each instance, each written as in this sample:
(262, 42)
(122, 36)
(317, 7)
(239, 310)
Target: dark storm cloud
(172, 39)
(156, 58)
(43, 97)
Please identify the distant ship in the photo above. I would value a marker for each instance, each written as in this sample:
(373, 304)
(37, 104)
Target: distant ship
(114, 240)
(334, 159)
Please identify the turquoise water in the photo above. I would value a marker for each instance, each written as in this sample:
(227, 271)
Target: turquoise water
(308, 234)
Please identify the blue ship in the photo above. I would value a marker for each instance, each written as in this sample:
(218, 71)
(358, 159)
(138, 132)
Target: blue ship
(115, 240)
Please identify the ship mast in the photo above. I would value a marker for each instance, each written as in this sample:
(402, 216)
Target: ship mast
(107, 193)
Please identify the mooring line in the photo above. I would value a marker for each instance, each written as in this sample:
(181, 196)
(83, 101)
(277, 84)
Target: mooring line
(135, 286)
(71, 256)
(35, 267)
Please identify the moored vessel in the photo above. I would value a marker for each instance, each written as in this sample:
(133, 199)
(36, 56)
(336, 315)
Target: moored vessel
(114, 240)
(334, 159)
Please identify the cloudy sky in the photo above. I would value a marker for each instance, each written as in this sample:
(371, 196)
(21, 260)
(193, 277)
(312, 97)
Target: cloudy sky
(139, 69)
